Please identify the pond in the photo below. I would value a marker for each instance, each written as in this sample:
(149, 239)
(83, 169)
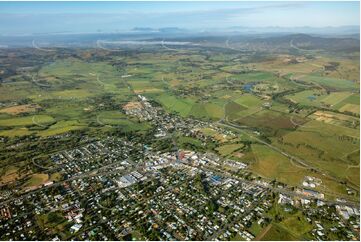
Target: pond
(311, 98)
(248, 86)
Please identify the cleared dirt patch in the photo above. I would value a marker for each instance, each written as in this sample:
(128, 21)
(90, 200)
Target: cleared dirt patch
(11, 174)
(132, 105)
(26, 108)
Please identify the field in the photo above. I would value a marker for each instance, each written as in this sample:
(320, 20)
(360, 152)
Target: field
(228, 149)
(27, 121)
(336, 119)
(324, 145)
(174, 104)
(272, 165)
(299, 66)
(330, 82)
(277, 233)
(352, 108)
(297, 224)
(222, 138)
(62, 127)
(335, 97)
(293, 226)
(271, 120)
(191, 107)
(248, 101)
(308, 97)
(117, 119)
(188, 142)
(36, 180)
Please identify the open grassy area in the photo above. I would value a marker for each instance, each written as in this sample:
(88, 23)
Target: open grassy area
(190, 106)
(352, 108)
(232, 109)
(335, 97)
(237, 237)
(308, 97)
(187, 142)
(248, 101)
(242, 106)
(228, 149)
(272, 165)
(174, 104)
(62, 126)
(297, 224)
(15, 132)
(37, 179)
(291, 225)
(53, 222)
(111, 117)
(339, 84)
(334, 141)
(206, 111)
(336, 119)
(325, 146)
(271, 120)
(352, 99)
(27, 121)
(18, 90)
(218, 136)
(278, 233)
(142, 86)
(350, 104)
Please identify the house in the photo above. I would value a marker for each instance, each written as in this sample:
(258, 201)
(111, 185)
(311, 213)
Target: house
(75, 228)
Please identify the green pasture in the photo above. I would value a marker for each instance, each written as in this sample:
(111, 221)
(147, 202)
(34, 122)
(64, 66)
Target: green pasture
(273, 165)
(228, 149)
(27, 121)
(335, 83)
(325, 146)
(278, 233)
(308, 97)
(335, 97)
(248, 101)
(269, 119)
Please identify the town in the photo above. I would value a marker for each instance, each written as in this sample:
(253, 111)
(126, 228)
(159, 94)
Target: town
(118, 188)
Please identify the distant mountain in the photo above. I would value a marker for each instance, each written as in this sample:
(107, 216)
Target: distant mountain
(172, 30)
(340, 30)
(161, 30)
(308, 42)
(143, 29)
(280, 42)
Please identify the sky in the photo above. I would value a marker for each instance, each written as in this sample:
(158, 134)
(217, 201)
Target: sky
(85, 17)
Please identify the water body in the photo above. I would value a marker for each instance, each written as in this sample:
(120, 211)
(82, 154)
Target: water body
(248, 86)
(311, 98)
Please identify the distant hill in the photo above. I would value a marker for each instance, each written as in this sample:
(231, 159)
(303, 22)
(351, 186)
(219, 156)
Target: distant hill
(161, 30)
(280, 42)
(299, 42)
(308, 42)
